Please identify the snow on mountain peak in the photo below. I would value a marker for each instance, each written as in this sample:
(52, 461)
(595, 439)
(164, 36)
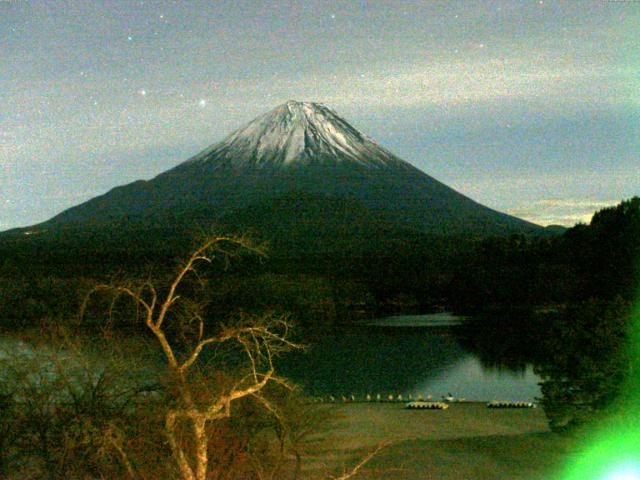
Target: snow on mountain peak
(298, 132)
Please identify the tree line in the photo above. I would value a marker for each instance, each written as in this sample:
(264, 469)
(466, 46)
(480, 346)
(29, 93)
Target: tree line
(571, 312)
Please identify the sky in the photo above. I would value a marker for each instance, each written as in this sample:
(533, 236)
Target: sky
(528, 107)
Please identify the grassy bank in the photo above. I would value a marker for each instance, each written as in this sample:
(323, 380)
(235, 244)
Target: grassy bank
(467, 441)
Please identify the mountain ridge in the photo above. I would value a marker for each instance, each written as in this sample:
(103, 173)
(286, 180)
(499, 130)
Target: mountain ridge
(296, 147)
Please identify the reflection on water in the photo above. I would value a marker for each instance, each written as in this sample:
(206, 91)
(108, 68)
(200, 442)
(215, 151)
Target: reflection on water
(443, 319)
(410, 360)
(372, 360)
(469, 379)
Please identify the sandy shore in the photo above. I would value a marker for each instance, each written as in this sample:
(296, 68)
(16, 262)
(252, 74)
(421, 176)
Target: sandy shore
(466, 441)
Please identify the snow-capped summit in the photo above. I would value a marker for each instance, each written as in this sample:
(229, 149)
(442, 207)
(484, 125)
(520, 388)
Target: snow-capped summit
(298, 132)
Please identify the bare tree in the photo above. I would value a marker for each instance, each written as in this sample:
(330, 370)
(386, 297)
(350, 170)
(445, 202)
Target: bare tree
(192, 412)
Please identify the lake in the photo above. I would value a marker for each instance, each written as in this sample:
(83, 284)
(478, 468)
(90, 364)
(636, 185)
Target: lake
(417, 355)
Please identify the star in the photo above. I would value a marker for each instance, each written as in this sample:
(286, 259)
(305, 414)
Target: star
(143, 92)
(129, 38)
(202, 103)
(333, 15)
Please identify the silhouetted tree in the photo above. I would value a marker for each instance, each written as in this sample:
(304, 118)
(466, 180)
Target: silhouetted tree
(586, 362)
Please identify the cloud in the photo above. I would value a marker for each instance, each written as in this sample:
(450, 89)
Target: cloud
(560, 211)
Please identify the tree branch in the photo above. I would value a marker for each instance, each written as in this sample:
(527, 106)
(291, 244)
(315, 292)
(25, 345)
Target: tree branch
(354, 471)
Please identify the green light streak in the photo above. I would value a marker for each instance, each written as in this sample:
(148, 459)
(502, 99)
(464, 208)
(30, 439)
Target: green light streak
(613, 455)
(611, 450)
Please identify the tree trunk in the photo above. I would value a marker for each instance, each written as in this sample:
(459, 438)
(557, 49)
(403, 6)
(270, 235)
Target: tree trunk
(202, 461)
(186, 473)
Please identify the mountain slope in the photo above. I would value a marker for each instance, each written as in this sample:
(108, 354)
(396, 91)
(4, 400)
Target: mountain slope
(296, 148)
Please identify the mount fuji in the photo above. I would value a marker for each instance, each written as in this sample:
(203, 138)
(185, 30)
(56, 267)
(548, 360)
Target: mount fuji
(299, 166)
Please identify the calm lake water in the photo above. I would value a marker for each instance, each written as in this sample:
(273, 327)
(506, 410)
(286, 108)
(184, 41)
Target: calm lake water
(417, 354)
